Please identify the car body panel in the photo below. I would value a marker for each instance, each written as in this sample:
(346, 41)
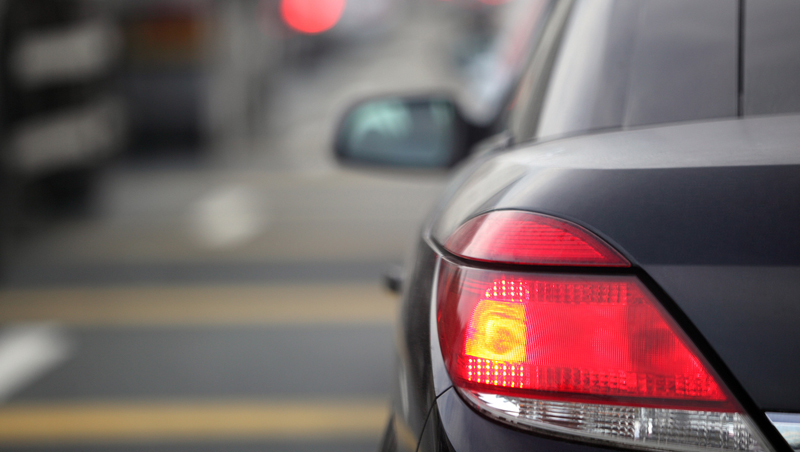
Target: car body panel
(734, 275)
(414, 393)
(729, 275)
(749, 315)
(595, 178)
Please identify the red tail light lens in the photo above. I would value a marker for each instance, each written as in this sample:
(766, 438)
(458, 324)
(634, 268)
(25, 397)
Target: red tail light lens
(587, 355)
(570, 338)
(516, 237)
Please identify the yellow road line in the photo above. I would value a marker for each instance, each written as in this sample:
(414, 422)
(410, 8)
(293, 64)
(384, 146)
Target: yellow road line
(198, 305)
(105, 422)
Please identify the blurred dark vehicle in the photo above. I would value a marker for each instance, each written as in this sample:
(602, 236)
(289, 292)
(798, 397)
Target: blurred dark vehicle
(195, 71)
(62, 118)
(617, 267)
(164, 70)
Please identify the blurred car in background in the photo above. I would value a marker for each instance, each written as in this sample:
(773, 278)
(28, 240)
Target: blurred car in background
(163, 79)
(62, 116)
(618, 267)
(479, 23)
(313, 28)
(195, 71)
(364, 19)
(490, 74)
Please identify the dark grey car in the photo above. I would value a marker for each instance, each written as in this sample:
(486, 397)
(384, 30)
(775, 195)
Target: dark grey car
(617, 265)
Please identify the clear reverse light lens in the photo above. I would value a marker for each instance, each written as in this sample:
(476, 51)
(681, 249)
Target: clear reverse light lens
(660, 429)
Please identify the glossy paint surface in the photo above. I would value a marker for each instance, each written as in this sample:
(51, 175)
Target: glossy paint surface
(706, 212)
(714, 231)
(717, 233)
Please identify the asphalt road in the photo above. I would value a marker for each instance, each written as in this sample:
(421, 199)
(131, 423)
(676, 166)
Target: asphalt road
(300, 366)
(231, 304)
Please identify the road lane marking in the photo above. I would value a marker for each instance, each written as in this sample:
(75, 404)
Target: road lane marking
(228, 217)
(199, 305)
(27, 352)
(172, 421)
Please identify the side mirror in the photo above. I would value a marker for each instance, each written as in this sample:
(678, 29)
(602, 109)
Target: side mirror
(404, 132)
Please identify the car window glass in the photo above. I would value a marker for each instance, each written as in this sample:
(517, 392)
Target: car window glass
(685, 62)
(626, 63)
(771, 63)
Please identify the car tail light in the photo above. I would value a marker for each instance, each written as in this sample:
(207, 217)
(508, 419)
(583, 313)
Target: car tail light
(515, 237)
(580, 353)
